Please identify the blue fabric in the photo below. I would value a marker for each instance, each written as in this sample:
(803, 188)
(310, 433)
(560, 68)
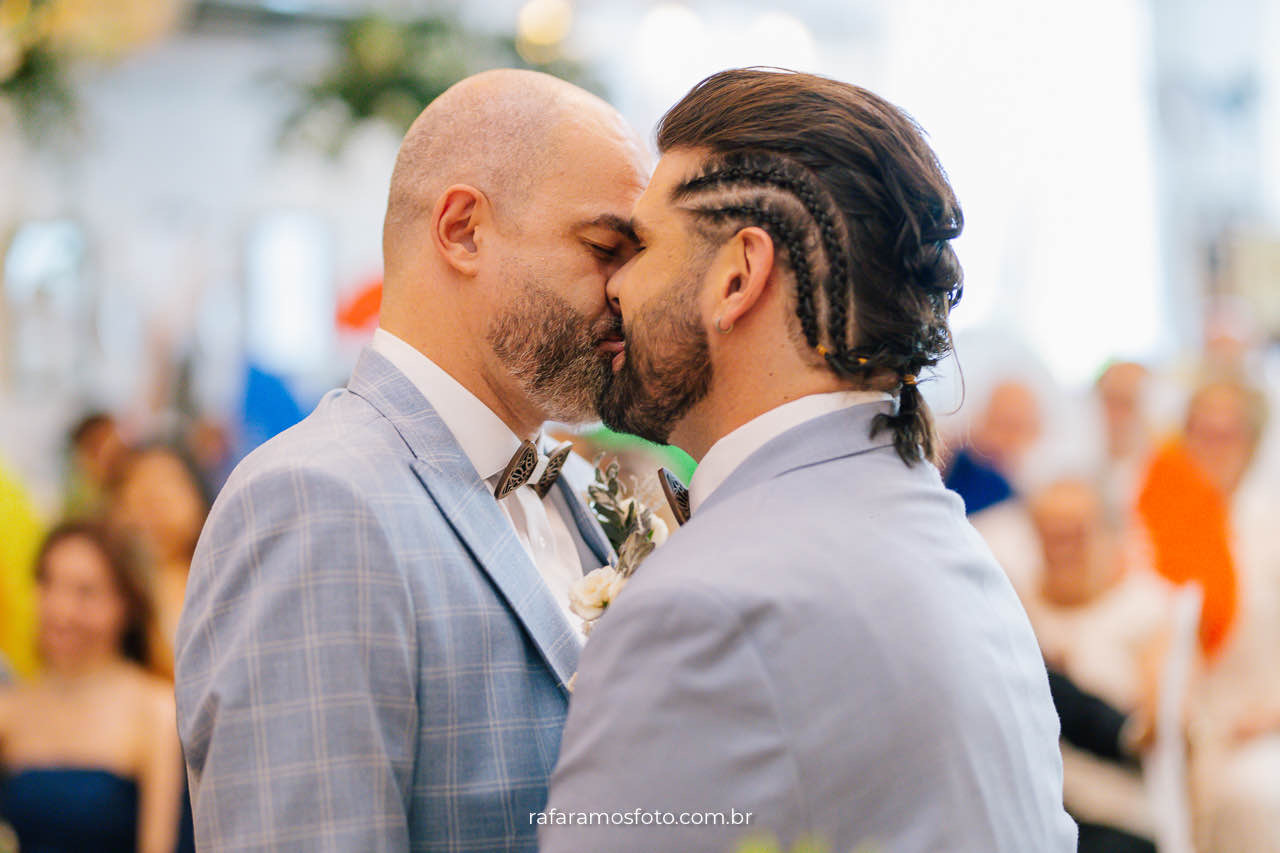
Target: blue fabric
(65, 810)
(186, 825)
(977, 482)
(270, 407)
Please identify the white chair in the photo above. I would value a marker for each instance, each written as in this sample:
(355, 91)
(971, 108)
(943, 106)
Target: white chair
(1166, 766)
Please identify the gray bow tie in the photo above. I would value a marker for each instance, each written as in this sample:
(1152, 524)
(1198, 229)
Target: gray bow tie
(525, 462)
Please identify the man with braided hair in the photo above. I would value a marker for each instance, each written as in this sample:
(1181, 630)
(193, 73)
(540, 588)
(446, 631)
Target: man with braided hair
(826, 645)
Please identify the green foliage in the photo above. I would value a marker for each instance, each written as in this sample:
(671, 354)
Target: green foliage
(390, 70)
(627, 522)
(809, 844)
(40, 91)
(34, 75)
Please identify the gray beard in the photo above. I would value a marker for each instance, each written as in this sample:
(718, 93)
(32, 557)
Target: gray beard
(550, 350)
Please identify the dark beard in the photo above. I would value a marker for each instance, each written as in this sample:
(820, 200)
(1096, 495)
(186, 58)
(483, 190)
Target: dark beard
(667, 369)
(550, 350)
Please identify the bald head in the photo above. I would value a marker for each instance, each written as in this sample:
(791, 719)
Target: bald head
(1078, 541)
(508, 213)
(501, 131)
(1009, 424)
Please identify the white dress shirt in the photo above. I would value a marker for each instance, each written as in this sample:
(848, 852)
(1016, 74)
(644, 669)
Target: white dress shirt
(732, 449)
(489, 444)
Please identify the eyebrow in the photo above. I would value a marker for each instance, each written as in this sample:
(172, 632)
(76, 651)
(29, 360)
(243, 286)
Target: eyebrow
(611, 221)
(638, 231)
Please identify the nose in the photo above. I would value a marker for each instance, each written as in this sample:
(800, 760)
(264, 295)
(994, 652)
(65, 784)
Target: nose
(611, 290)
(59, 609)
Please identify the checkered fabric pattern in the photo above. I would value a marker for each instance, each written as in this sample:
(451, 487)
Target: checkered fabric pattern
(367, 659)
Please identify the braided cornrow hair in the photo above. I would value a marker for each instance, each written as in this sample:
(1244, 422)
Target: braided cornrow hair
(755, 188)
(849, 191)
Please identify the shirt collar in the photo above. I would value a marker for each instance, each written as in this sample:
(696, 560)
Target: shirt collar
(732, 450)
(487, 442)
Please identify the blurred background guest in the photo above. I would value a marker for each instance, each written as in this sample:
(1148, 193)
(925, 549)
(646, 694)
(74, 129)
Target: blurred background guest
(89, 749)
(1127, 433)
(96, 447)
(212, 450)
(1211, 516)
(158, 496)
(991, 461)
(1190, 495)
(984, 470)
(1100, 623)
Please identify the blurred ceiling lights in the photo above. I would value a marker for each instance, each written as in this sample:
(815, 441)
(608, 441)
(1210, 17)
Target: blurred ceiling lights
(541, 29)
(98, 29)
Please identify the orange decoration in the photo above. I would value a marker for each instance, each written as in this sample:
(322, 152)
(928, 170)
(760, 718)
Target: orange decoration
(1188, 520)
(360, 312)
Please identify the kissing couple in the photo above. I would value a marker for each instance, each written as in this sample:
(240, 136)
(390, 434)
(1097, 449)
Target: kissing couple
(377, 640)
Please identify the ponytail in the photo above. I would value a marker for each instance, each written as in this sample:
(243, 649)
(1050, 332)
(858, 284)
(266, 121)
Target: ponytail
(914, 435)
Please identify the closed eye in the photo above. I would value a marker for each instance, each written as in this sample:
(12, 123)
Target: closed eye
(607, 253)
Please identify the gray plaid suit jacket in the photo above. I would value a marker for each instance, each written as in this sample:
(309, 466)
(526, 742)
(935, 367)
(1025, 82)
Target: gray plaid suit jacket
(367, 659)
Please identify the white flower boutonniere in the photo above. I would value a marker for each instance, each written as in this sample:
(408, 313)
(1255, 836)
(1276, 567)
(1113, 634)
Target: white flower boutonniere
(591, 596)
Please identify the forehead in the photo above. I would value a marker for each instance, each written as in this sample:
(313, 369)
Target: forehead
(600, 168)
(153, 464)
(79, 558)
(656, 209)
(675, 167)
(1218, 406)
(1066, 499)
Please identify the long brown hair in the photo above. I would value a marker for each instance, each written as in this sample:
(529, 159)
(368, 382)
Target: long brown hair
(137, 642)
(847, 187)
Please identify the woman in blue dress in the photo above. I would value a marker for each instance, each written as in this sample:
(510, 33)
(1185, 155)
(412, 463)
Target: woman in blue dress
(89, 754)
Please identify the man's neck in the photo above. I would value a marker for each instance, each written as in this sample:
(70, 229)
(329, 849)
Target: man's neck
(461, 361)
(730, 404)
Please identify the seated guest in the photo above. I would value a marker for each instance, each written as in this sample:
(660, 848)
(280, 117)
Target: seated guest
(981, 471)
(1121, 395)
(1099, 624)
(89, 751)
(1186, 500)
(1091, 724)
(1210, 514)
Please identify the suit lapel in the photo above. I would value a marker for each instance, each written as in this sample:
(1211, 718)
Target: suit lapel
(474, 515)
(588, 529)
(470, 508)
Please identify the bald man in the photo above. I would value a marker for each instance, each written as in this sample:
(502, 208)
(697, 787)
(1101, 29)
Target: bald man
(375, 643)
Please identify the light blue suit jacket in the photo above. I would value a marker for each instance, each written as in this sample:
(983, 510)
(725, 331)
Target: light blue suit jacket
(829, 646)
(368, 660)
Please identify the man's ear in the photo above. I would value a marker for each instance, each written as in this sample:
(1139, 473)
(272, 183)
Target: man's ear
(455, 219)
(745, 271)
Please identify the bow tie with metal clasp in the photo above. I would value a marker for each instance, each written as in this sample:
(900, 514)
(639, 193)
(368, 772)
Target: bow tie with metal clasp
(525, 463)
